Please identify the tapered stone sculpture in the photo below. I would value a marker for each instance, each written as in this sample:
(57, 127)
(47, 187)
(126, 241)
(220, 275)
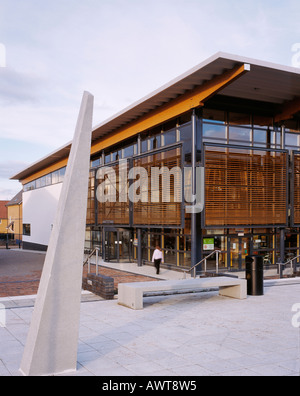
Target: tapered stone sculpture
(52, 342)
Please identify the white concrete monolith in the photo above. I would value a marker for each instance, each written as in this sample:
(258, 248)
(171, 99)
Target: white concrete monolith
(52, 342)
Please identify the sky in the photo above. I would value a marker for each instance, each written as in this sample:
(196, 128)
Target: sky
(120, 51)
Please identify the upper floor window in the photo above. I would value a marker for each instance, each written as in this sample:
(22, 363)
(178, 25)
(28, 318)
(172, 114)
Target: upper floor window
(47, 180)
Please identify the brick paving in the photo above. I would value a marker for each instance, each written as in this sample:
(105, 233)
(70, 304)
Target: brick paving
(20, 273)
(118, 276)
(15, 286)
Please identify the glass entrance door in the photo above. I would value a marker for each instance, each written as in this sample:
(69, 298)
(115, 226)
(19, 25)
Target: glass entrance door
(245, 250)
(118, 245)
(125, 240)
(239, 249)
(111, 243)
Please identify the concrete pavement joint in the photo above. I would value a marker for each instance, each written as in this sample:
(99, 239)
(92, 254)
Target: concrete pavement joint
(196, 334)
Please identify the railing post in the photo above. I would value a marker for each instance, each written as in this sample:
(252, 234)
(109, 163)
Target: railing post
(193, 268)
(89, 265)
(280, 269)
(97, 253)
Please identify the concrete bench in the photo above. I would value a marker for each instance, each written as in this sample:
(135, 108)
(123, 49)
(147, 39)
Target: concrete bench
(131, 294)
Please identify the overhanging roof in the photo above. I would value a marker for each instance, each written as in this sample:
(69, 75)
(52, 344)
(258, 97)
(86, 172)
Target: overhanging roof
(267, 82)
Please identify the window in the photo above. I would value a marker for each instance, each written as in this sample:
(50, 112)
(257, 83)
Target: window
(29, 186)
(41, 182)
(276, 139)
(55, 177)
(170, 137)
(186, 138)
(155, 142)
(129, 151)
(47, 180)
(95, 163)
(144, 145)
(214, 131)
(239, 134)
(292, 140)
(117, 155)
(151, 143)
(27, 229)
(107, 158)
(62, 173)
(260, 136)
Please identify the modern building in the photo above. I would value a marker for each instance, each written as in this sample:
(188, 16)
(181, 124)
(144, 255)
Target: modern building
(231, 125)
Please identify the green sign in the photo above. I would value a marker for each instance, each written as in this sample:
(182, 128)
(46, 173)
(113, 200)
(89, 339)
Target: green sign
(208, 243)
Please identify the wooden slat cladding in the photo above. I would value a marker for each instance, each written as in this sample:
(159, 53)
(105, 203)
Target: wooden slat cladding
(159, 213)
(245, 187)
(114, 211)
(296, 188)
(90, 217)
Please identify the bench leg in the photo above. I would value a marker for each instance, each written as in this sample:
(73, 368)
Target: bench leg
(238, 291)
(130, 297)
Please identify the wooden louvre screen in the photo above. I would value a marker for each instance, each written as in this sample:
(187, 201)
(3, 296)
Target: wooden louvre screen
(90, 216)
(245, 187)
(114, 210)
(165, 210)
(296, 197)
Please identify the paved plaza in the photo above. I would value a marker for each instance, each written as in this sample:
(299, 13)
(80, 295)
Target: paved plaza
(199, 334)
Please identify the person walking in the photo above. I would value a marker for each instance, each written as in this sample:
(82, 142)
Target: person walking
(157, 258)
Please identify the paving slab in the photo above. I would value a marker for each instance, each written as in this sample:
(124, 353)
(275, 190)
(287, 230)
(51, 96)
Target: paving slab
(199, 334)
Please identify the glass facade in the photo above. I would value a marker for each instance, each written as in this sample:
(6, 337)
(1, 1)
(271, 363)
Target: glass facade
(245, 186)
(242, 184)
(249, 164)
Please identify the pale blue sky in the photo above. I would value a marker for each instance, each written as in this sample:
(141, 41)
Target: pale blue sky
(118, 50)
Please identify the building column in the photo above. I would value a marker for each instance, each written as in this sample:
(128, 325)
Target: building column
(139, 247)
(195, 223)
(282, 250)
(282, 137)
(282, 230)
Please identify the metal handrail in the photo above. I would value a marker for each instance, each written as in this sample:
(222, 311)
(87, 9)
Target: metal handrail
(217, 252)
(290, 261)
(87, 261)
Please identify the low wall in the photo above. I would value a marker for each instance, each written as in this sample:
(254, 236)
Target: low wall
(100, 285)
